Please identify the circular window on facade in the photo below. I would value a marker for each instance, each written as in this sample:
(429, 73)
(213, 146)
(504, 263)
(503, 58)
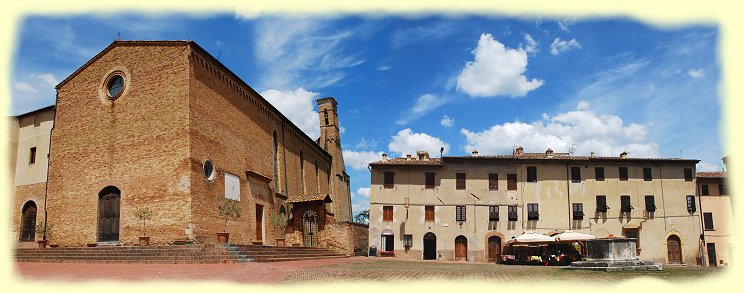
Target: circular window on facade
(114, 86)
(208, 170)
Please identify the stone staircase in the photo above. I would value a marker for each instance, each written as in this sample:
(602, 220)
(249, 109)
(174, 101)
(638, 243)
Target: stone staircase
(191, 253)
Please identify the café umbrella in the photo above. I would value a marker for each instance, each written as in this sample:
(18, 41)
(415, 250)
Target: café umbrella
(531, 237)
(570, 236)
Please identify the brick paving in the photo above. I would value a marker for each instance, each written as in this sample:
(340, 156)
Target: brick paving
(355, 269)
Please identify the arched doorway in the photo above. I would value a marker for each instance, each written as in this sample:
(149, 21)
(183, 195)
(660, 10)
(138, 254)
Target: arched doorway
(494, 249)
(28, 222)
(310, 228)
(108, 214)
(430, 246)
(461, 248)
(674, 249)
(388, 242)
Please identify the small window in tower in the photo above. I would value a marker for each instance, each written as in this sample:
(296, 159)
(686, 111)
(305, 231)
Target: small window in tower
(326, 117)
(208, 170)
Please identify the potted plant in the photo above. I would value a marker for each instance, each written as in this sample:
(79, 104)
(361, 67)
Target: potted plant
(228, 209)
(45, 230)
(279, 221)
(143, 214)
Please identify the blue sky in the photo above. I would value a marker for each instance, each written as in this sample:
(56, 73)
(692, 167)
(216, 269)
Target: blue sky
(602, 85)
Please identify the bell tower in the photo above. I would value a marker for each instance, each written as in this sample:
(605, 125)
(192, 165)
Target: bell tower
(330, 140)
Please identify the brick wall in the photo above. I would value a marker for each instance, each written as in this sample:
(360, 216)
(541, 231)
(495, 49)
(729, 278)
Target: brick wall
(346, 237)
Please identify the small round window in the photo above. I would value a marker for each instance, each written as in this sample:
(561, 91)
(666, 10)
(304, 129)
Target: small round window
(115, 86)
(208, 170)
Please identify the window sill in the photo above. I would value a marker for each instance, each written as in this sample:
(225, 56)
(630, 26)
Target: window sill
(709, 230)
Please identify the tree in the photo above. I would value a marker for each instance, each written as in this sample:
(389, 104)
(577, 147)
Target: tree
(362, 217)
(228, 209)
(143, 214)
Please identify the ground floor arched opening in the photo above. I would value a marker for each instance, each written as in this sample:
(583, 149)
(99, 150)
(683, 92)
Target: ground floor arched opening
(430, 246)
(28, 222)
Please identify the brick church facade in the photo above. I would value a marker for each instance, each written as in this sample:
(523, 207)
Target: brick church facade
(164, 125)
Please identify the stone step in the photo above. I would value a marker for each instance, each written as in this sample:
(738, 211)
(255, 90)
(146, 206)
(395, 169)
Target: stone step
(190, 253)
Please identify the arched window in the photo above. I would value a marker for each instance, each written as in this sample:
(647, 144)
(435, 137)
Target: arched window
(28, 221)
(276, 163)
(302, 172)
(317, 177)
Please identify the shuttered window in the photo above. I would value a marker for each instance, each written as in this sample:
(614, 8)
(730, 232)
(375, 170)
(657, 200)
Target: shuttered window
(575, 174)
(389, 179)
(691, 204)
(650, 204)
(387, 214)
(601, 204)
(688, 174)
(623, 173)
(599, 173)
(578, 211)
(460, 181)
(532, 211)
(429, 213)
(493, 213)
(511, 181)
(493, 181)
(531, 174)
(460, 213)
(647, 174)
(512, 213)
(708, 221)
(625, 206)
(429, 180)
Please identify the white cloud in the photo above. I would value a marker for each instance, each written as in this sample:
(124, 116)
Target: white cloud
(366, 144)
(34, 92)
(708, 167)
(362, 192)
(404, 37)
(424, 104)
(360, 160)
(532, 46)
(587, 131)
(559, 46)
(447, 121)
(696, 73)
(566, 24)
(302, 52)
(496, 70)
(297, 105)
(408, 142)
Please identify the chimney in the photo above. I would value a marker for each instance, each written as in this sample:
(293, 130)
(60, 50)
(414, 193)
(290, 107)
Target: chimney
(474, 153)
(592, 155)
(422, 155)
(384, 156)
(408, 157)
(624, 155)
(549, 153)
(518, 151)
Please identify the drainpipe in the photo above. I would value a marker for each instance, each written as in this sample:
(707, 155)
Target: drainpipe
(49, 155)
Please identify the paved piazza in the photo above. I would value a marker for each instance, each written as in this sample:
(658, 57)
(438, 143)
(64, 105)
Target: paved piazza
(318, 272)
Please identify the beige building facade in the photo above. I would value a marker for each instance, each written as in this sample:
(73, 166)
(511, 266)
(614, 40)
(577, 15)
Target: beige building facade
(466, 208)
(29, 139)
(163, 125)
(717, 219)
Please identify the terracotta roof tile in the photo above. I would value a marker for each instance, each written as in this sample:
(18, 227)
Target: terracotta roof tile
(711, 174)
(309, 197)
(525, 156)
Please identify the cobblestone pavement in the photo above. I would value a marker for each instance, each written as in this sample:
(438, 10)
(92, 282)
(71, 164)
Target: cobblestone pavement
(349, 270)
(396, 270)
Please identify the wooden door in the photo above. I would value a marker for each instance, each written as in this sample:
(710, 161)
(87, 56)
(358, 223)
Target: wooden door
(674, 251)
(259, 223)
(494, 249)
(28, 222)
(461, 248)
(108, 215)
(712, 254)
